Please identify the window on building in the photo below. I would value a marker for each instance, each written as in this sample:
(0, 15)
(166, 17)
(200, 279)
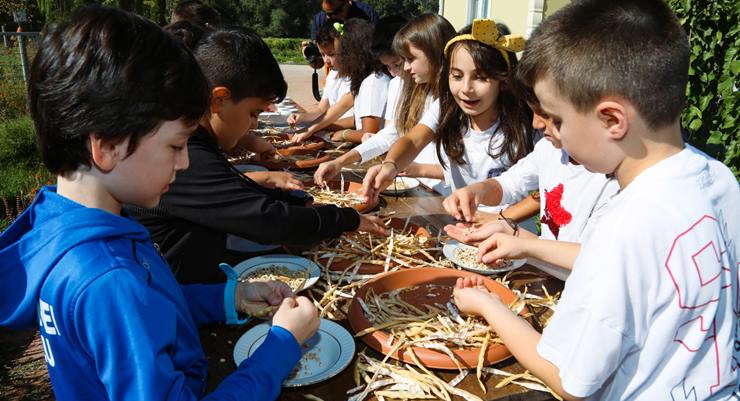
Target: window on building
(478, 9)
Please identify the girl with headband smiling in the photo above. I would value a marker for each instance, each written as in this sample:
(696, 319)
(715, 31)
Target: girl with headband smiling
(485, 128)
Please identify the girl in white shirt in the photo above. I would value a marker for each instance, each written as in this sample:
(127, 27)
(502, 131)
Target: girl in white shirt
(420, 44)
(484, 128)
(368, 85)
(327, 41)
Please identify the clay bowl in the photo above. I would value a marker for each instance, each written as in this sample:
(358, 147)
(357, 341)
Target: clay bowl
(367, 268)
(421, 277)
(296, 161)
(349, 186)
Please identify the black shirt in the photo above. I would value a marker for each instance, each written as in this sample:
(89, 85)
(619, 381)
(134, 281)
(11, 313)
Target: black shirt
(211, 199)
(357, 9)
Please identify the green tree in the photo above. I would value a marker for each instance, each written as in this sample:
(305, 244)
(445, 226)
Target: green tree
(713, 95)
(408, 8)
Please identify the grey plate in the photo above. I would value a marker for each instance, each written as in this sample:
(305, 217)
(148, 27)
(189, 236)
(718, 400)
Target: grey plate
(325, 354)
(449, 252)
(291, 262)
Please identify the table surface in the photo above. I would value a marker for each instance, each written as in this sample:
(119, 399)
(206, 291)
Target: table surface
(425, 208)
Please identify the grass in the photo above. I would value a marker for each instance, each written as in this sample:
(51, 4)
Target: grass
(286, 50)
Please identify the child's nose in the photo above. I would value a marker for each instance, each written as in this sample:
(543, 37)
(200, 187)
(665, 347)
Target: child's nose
(183, 160)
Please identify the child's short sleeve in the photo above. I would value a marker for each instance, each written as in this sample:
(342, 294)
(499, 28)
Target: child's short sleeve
(589, 333)
(394, 90)
(431, 116)
(371, 99)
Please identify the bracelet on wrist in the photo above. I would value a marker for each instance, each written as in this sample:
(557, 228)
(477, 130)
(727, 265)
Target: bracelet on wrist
(510, 222)
(391, 162)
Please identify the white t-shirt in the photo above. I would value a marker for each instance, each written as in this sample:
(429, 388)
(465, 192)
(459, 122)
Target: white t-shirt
(649, 312)
(371, 98)
(394, 91)
(334, 89)
(385, 138)
(547, 168)
(479, 165)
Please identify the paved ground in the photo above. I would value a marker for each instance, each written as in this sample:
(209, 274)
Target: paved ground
(299, 83)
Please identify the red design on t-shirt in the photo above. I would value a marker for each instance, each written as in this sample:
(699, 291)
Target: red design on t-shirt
(555, 215)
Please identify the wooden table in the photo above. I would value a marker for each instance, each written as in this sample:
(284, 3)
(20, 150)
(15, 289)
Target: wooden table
(425, 208)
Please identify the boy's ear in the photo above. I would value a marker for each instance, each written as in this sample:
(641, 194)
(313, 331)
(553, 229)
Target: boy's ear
(613, 117)
(106, 154)
(219, 95)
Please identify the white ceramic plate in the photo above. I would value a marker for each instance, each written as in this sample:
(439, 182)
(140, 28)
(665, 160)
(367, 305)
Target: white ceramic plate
(325, 354)
(403, 185)
(290, 262)
(449, 252)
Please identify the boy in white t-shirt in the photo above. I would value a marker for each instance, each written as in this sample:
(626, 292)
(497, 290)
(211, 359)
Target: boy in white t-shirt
(650, 309)
(327, 40)
(571, 196)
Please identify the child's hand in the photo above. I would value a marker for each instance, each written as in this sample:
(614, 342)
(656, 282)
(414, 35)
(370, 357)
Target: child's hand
(299, 316)
(254, 298)
(373, 225)
(468, 234)
(262, 148)
(276, 179)
(463, 202)
(502, 246)
(326, 171)
(299, 138)
(472, 297)
(294, 118)
(377, 178)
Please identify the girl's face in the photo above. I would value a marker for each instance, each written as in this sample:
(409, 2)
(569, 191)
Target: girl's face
(475, 93)
(417, 65)
(329, 54)
(393, 63)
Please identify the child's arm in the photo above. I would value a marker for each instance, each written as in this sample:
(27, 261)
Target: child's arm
(518, 335)
(254, 143)
(132, 344)
(524, 209)
(335, 111)
(330, 169)
(504, 246)
(424, 170)
(310, 114)
(370, 124)
(401, 154)
(276, 179)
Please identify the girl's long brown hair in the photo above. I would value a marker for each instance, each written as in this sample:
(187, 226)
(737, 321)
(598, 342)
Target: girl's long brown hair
(428, 33)
(514, 116)
(356, 60)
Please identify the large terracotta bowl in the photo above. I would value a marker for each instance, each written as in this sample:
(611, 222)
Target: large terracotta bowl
(421, 277)
(368, 268)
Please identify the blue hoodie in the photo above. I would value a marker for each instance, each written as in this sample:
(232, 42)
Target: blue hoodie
(113, 321)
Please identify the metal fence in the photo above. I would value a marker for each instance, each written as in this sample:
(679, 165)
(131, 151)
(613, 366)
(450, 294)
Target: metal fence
(16, 53)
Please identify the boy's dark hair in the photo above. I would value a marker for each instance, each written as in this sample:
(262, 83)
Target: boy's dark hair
(238, 59)
(113, 74)
(385, 30)
(514, 115)
(188, 32)
(356, 61)
(327, 33)
(197, 12)
(635, 49)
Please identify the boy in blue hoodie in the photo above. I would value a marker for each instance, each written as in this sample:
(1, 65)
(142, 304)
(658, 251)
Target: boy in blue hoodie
(114, 100)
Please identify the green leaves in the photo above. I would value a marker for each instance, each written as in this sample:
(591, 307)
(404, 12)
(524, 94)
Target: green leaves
(712, 91)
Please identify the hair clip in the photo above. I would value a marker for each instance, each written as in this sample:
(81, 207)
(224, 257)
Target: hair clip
(339, 28)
